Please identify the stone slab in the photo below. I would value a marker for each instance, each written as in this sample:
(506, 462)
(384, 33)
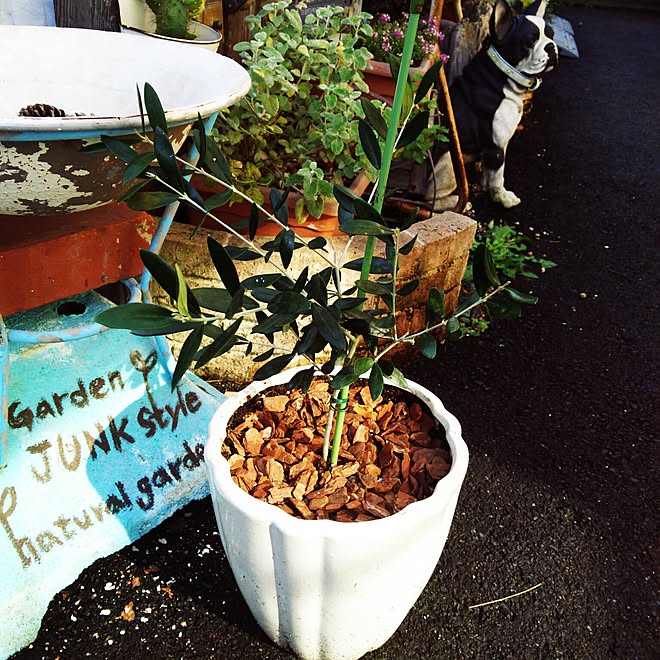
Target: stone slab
(100, 451)
(564, 36)
(438, 259)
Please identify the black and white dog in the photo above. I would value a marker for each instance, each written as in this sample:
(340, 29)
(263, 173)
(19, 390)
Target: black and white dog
(487, 98)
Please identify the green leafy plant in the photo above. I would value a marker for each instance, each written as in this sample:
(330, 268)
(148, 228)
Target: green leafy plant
(296, 128)
(323, 309)
(421, 113)
(174, 16)
(511, 253)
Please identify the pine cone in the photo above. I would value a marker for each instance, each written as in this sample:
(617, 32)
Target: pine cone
(41, 110)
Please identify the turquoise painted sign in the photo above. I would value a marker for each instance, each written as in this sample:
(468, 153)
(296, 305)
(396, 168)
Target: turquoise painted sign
(4, 378)
(99, 451)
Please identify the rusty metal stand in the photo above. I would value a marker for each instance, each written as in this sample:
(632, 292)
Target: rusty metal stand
(437, 8)
(454, 147)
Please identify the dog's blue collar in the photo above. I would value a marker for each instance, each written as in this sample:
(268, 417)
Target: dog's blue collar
(530, 82)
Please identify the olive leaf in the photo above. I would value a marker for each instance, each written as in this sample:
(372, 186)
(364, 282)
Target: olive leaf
(223, 265)
(136, 316)
(187, 354)
(154, 108)
(374, 117)
(369, 142)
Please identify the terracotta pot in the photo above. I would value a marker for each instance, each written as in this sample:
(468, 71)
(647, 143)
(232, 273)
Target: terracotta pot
(326, 589)
(327, 224)
(379, 78)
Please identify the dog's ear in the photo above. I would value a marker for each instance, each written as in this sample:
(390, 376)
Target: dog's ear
(501, 20)
(536, 8)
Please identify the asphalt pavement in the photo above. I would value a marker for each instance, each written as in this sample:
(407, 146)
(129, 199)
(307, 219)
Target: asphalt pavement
(559, 409)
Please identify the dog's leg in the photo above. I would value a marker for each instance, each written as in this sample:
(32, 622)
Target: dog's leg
(492, 178)
(504, 125)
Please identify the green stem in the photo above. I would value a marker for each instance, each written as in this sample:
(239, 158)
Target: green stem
(386, 163)
(338, 395)
(392, 130)
(410, 337)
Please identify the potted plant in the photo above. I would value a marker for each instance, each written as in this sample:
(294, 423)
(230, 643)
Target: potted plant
(296, 129)
(169, 19)
(385, 39)
(325, 588)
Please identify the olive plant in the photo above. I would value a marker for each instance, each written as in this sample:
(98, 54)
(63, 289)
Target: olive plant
(322, 310)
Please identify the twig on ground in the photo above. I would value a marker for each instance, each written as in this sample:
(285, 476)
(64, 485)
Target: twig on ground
(499, 600)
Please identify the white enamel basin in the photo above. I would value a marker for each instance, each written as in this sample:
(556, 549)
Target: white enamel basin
(95, 74)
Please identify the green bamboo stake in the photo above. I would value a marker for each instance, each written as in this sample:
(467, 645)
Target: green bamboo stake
(416, 7)
(397, 104)
(392, 130)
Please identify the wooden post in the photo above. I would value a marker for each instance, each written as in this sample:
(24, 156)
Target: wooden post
(213, 16)
(94, 14)
(236, 29)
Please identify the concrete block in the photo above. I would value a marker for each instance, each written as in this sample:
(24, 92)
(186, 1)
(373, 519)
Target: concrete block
(438, 260)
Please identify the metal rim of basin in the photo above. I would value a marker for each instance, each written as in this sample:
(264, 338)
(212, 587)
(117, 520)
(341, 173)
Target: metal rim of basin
(215, 81)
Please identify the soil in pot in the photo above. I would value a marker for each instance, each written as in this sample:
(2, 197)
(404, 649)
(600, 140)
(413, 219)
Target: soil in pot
(392, 453)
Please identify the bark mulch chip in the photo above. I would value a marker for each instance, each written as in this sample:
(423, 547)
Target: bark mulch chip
(392, 453)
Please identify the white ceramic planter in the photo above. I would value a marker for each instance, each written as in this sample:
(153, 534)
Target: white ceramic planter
(322, 588)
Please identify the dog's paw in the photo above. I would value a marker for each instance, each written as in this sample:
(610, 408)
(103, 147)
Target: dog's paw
(504, 197)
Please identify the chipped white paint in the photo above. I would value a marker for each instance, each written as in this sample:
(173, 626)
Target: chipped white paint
(34, 180)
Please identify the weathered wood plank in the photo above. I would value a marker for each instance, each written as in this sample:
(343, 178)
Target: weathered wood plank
(94, 14)
(37, 253)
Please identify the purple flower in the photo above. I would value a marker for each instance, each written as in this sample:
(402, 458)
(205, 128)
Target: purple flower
(388, 36)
